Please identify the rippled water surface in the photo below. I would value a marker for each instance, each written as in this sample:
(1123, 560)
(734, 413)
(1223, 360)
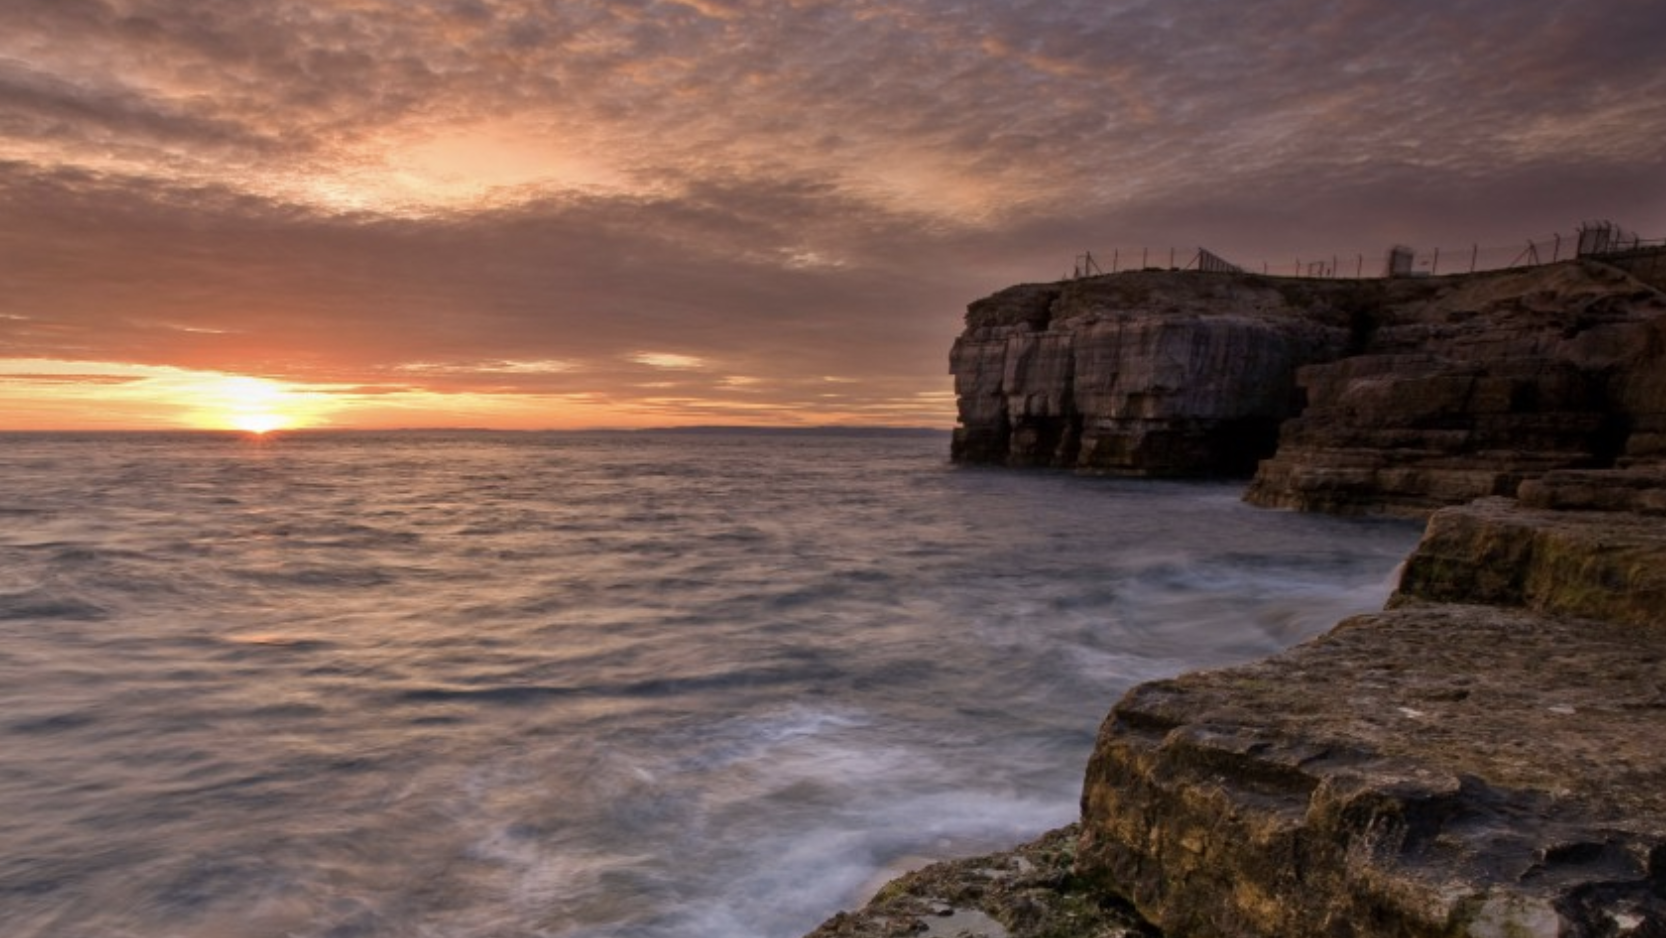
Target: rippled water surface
(476, 685)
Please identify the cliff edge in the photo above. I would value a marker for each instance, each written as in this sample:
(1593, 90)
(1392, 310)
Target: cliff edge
(1368, 396)
(1485, 757)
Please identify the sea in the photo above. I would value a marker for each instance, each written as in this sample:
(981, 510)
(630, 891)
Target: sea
(569, 685)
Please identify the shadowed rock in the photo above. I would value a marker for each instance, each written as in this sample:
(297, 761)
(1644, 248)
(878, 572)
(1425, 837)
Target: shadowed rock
(1146, 373)
(1375, 396)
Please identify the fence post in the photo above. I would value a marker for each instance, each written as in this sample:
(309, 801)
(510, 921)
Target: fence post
(1115, 253)
(1434, 265)
(1359, 268)
(1556, 252)
(1474, 253)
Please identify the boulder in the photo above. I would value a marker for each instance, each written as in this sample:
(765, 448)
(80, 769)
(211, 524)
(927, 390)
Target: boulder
(1433, 770)
(1483, 758)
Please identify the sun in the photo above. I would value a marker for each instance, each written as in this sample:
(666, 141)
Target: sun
(252, 405)
(258, 424)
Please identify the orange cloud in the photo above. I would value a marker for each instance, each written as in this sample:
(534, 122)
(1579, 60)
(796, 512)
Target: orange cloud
(504, 212)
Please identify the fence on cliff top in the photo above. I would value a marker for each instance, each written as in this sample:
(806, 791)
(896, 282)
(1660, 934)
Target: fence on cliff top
(1592, 239)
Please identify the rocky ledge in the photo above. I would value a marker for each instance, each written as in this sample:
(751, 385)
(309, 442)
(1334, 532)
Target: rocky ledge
(1430, 770)
(1485, 758)
(1391, 396)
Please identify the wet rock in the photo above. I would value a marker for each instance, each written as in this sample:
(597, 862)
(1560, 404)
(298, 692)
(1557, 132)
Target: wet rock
(1028, 892)
(1431, 770)
(1483, 758)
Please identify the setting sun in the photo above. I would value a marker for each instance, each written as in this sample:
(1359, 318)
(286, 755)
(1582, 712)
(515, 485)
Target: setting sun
(259, 423)
(254, 405)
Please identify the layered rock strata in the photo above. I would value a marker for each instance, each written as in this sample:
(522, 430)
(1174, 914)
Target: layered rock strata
(1487, 757)
(1147, 373)
(1491, 383)
(1397, 396)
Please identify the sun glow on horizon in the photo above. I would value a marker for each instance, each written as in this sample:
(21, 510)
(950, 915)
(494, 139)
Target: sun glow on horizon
(260, 424)
(50, 394)
(54, 394)
(253, 405)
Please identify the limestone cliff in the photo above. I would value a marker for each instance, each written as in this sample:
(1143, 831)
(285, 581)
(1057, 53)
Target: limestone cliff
(1482, 759)
(1492, 381)
(1395, 396)
(1148, 373)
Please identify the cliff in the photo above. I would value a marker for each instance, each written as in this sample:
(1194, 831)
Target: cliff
(1484, 757)
(1493, 381)
(1395, 396)
(1149, 373)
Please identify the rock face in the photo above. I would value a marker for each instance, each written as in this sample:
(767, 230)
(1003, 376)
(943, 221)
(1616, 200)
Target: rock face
(1396, 396)
(1484, 758)
(1488, 383)
(1602, 564)
(1148, 373)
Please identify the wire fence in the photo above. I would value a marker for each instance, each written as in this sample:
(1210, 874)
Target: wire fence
(1598, 240)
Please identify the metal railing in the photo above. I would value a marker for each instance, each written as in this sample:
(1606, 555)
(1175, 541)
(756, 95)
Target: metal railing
(1593, 239)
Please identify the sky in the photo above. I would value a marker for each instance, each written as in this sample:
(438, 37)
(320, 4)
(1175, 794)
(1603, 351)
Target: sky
(531, 214)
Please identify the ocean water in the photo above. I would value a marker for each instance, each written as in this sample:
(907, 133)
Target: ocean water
(622, 685)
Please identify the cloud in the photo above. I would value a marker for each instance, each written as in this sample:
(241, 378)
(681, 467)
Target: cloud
(503, 197)
(667, 360)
